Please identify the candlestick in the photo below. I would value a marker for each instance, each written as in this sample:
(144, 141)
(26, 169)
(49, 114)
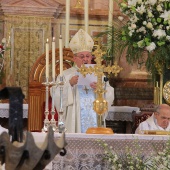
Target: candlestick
(61, 124)
(46, 120)
(110, 18)
(61, 55)
(86, 14)
(53, 59)
(47, 59)
(67, 23)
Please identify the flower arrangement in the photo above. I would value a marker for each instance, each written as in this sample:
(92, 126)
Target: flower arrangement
(147, 29)
(2, 50)
(136, 160)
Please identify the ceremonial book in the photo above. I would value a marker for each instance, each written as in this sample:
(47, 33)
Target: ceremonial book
(89, 78)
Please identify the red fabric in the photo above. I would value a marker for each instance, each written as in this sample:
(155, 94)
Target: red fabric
(49, 107)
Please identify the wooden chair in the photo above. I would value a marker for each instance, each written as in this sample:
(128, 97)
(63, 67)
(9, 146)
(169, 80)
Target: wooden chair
(145, 113)
(36, 94)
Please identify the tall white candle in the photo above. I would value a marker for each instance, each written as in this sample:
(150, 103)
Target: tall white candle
(110, 18)
(110, 15)
(67, 23)
(53, 58)
(61, 55)
(47, 59)
(86, 14)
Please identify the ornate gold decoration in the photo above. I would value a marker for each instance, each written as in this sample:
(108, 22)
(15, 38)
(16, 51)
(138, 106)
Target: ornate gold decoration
(78, 4)
(28, 34)
(156, 94)
(159, 65)
(100, 105)
(166, 92)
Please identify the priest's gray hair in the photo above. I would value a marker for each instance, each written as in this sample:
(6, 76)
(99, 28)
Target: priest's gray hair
(158, 108)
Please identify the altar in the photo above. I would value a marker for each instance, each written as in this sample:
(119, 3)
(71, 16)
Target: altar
(4, 114)
(120, 118)
(4, 110)
(84, 152)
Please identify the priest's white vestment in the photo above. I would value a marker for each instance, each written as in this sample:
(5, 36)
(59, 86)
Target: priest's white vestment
(71, 101)
(150, 124)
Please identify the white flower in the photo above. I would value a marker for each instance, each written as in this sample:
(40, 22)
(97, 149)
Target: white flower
(132, 3)
(144, 22)
(133, 26)
(152, 2)
(159, 8)
(159, 33)
(168, 37)
(151, 47)
(120, 18)
(141, 9)
(134, 19)
(150, 14)
(140, 44)
(149, 25)
(166, 15)
(142, 29)
(130, 33)
(139, 1)
(161, 27)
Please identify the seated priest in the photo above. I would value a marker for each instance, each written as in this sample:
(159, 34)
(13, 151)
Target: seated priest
(158, 121)
(77, 100)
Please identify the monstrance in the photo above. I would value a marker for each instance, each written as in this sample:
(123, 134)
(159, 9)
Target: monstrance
(100, 105)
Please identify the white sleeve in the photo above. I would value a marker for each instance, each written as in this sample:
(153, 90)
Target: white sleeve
(67, 95)
(142, 126)
(109, 95)
(109, 98)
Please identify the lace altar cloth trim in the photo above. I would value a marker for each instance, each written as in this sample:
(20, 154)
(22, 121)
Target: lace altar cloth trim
(124, 109)
(4, 110)
(119, 116)
(84, 152)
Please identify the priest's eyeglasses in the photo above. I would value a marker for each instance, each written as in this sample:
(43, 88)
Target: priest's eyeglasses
(82, 57)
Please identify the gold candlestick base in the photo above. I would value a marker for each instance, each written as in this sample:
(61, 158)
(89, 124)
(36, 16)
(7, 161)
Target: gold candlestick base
(99, 130)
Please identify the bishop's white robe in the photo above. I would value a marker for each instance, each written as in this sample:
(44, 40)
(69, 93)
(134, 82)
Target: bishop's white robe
(71, 101)
(150, 124)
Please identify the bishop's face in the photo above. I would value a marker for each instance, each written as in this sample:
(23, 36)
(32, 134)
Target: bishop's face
(84, 57)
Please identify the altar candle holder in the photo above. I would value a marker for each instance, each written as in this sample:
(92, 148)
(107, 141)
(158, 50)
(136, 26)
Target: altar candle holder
(61, 121)
(46, 120)
(53, 121)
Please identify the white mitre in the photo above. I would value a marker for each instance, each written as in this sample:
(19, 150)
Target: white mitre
(81, 42)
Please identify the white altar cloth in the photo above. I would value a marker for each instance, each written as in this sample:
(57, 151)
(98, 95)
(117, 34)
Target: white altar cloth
(84, 152)
(124, 109)
(4, 110)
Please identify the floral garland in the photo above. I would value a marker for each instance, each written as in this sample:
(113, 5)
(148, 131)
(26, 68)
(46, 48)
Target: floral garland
(2, 51)
(128, 160)
(148, 29)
